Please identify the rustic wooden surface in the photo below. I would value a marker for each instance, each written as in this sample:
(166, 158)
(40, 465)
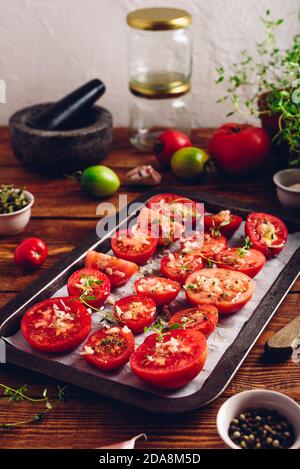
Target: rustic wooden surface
(62, 216)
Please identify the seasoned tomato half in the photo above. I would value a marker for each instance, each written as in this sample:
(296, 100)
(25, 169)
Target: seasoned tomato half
(56, 325)
(225, 222)
(201, 318)
(228, 290)
(170, 361)
(267, 233)
(109, 348)
(248, 262)
(117, 270)
(161, 290)
(136, 312)
(134, 246)
(178, 266)
(91, 285)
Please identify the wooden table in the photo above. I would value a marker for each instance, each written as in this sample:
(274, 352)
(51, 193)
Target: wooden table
(62, 216)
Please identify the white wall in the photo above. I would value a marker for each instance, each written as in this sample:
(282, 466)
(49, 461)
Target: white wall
(49, 47)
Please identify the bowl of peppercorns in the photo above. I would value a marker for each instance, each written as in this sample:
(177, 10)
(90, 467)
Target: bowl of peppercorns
(260, 419)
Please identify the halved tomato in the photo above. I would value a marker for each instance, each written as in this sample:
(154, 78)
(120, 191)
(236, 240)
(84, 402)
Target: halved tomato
(228, 290)
(224, 221)
(249, 262)
(109, 349)
(161, 290)
(134, 246)
(178, 266)
(206, 245)
(170, 361)
(201, 318)
(91, 285)
(56, 325)
(136, 312)
(117, 270)
(267, 233)
(159, 226)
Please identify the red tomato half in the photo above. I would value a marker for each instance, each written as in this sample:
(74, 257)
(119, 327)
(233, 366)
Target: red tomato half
(225, 221)
(267, 233)
(30, 254)
(172, 362)
(136, 312)
(56, 325)
(117, 270)
(201, 318)
(160, 201)
(206, 245)
(109, 349)
(178, 266)
(136, 247)
(228, 290)
(249, 262)
(161, 290)
(90, 284)
(159, 226)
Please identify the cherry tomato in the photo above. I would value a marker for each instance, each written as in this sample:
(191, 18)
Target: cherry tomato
(178, 266)
(206, 245)
(56, 325)
(248, 262)
(136, 312)
(161, 290)
(30, 254)
(159, 226)
(228, 290)
(167, 143)
(180, 209)
(267, 233)
(201, 318)
(240, 149)
(160, 201)
(172, 361)
(90, 284)
(225, 221)
(117, 270)
(109, 349)
(134, 246)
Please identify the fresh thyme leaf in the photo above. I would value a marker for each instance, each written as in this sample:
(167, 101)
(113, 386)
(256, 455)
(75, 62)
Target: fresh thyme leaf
(242, 251)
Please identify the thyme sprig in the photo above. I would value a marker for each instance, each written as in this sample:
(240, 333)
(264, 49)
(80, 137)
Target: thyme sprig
(243, 250)
(276, 73)
(20, 394)
(161, 328)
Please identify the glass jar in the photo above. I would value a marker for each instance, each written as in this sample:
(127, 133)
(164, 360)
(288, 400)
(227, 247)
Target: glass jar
(160, 68)
(149, 117)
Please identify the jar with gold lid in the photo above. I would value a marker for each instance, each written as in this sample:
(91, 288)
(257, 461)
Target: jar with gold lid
(160, 67)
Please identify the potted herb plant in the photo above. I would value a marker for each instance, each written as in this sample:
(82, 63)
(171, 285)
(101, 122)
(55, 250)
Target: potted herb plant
(268, 86)
(15, 209)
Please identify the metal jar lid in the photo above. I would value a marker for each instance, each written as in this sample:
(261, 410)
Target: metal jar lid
(159, 19)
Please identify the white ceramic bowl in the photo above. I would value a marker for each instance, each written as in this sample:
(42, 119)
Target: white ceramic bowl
(13, 223)
(258, 398)
(283, 179)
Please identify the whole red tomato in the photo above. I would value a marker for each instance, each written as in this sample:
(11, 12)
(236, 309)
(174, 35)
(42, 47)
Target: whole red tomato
(239, 149)
(30, 254)
(167, 143)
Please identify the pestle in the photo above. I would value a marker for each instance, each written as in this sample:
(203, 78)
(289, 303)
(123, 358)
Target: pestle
(63, 112)
(279, 346)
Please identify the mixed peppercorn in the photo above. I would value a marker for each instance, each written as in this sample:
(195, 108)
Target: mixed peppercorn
(261, 429)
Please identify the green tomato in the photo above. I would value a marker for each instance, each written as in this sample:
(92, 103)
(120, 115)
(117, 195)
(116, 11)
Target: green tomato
(99, 181)
(189, 162)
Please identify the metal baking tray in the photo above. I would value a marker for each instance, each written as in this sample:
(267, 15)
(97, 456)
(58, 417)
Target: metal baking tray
(231, 360)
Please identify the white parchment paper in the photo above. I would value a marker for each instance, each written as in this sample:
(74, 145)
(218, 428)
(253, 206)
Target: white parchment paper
(225, 333)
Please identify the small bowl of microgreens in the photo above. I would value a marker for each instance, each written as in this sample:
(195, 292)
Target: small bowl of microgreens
(259, 419)
(15, 209)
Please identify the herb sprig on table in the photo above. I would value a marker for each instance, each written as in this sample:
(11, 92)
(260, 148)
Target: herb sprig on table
(20, 394)
(11, 199)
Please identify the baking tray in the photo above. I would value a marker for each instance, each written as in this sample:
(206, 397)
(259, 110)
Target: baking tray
(223, 372)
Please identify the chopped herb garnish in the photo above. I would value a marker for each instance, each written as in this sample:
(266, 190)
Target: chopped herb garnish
(242, 251)
(11, 199)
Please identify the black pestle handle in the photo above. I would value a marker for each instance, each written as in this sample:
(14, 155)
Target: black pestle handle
(62, 112)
